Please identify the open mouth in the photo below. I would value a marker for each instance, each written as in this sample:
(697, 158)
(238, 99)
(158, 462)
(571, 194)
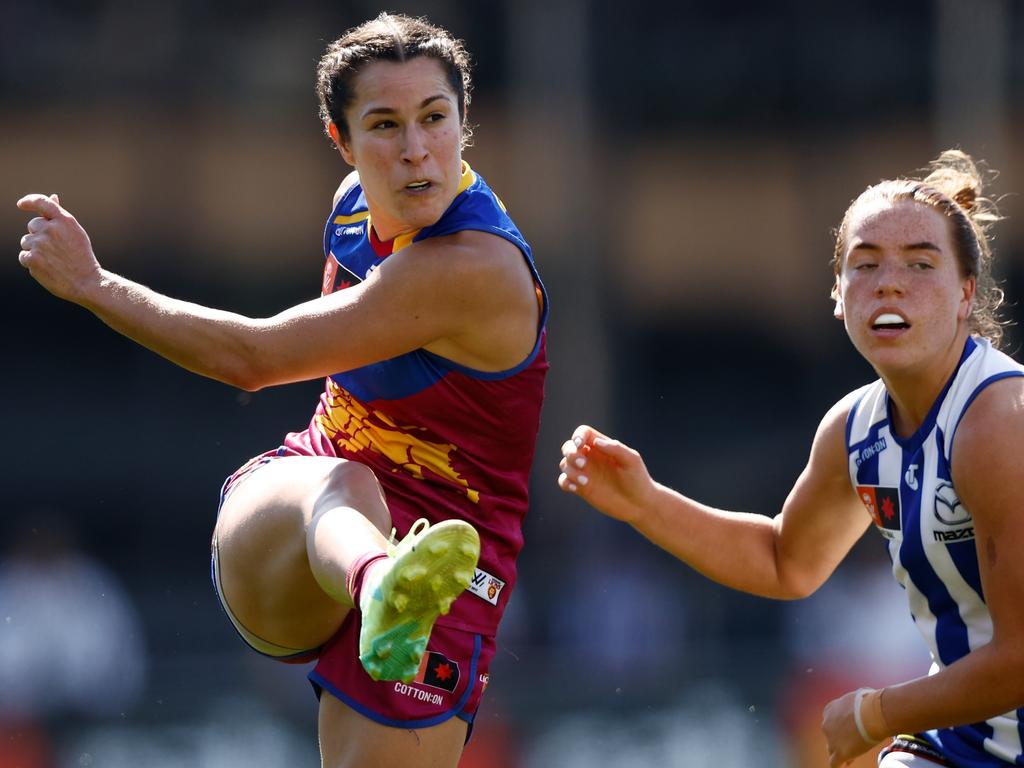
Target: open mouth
(889, 321)
(417, 186)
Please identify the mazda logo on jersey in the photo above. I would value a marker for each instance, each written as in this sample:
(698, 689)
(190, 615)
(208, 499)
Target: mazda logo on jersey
(883, 504)
(948, 509)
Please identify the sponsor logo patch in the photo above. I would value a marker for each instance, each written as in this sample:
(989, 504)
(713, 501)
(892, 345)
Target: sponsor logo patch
(910, 477)
(418, 694)
(950, 512)
(337, 277)
(870, 451)
(486, 586)
(948, 508)
(438, 671)
(330, 272)
(883, 504)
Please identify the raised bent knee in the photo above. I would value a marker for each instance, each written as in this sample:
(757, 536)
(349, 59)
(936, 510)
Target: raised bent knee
(351, 484)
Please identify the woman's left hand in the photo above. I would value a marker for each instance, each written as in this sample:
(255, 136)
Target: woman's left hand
(840, 728)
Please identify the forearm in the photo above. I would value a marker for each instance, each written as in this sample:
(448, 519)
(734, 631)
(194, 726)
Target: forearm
(207, 341)
(983, 684)
(735, 549)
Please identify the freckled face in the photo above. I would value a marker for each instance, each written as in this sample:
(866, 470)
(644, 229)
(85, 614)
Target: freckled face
(900, 290)
(405, 139)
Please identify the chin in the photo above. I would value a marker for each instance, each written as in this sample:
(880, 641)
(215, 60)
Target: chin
(886, 356)
(424, 216)
(898, 361)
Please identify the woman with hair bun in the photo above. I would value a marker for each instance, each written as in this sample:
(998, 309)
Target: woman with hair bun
(929, 454)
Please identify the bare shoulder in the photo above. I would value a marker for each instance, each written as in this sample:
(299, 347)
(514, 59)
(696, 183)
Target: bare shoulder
(992, 429)
(477, 265)
(478, 289)
(475, 252)
(840, 411)
(473, 248)
(830, 439)
(347, 183)
(986, 472)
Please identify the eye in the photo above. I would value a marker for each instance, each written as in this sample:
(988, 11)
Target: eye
(865, 265)
(383, 125)
(435, 117)
(921, 266)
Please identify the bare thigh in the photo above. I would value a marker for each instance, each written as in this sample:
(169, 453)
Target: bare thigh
(350, 740)
(263, 556)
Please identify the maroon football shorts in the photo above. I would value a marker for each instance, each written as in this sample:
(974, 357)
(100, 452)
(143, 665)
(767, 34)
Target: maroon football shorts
(450, 682)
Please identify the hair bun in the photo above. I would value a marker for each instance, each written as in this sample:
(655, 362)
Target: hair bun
(966, 197)
(956, 175)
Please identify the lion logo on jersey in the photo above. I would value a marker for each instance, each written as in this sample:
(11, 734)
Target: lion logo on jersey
(354, 427)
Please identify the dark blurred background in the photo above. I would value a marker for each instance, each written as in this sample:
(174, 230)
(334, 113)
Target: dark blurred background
(678, 168)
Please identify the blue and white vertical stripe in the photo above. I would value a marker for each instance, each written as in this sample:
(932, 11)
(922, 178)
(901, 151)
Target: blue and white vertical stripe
(932, 546)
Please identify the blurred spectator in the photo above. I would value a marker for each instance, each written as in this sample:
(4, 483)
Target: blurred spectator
(618, 613)
(70, 639)
(708, 726)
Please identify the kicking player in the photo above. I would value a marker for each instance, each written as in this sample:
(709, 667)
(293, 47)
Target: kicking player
(430, 332)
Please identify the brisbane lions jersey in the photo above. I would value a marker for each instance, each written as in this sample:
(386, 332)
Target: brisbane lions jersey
(444, 440)
(907, 486)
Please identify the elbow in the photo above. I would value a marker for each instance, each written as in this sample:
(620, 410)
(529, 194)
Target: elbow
(249, 385)
(250, 380)
(245, 373)
(256, 361)
(251, 365)
(1010, 655)
(796, 577)
(794, 584)
(794, 592)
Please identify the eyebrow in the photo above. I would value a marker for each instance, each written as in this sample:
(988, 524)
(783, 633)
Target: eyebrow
(390, 110)
(924, 245)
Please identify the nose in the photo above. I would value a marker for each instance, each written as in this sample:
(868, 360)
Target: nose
(414, 148)
(889, 280)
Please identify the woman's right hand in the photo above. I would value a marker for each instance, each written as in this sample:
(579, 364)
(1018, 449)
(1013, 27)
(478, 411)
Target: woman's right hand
(607, 474)
(56, 250)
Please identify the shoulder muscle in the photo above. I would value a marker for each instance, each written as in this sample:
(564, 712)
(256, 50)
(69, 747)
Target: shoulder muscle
(989, 442)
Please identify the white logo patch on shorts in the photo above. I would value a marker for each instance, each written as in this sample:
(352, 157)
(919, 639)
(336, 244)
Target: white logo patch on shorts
(485, 586)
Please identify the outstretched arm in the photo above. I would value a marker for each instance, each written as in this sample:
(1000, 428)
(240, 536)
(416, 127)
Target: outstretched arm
(58, 253)
(785, 557)
(470, 294)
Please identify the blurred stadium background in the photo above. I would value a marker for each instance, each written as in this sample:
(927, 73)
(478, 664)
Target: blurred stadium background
(678, 168)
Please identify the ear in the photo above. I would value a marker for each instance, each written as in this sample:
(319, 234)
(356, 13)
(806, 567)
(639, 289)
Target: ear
(341, 144)
(837, 297)
(969, 288)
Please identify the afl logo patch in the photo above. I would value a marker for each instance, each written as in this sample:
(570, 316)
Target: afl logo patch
(948, 509)
(486, 586)
(883, 504)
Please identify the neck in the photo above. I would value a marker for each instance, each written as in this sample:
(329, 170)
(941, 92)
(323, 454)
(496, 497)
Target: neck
(913, 392)
(386, 232)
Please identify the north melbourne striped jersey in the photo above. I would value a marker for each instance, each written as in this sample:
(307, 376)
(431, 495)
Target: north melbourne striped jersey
(907, 486)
